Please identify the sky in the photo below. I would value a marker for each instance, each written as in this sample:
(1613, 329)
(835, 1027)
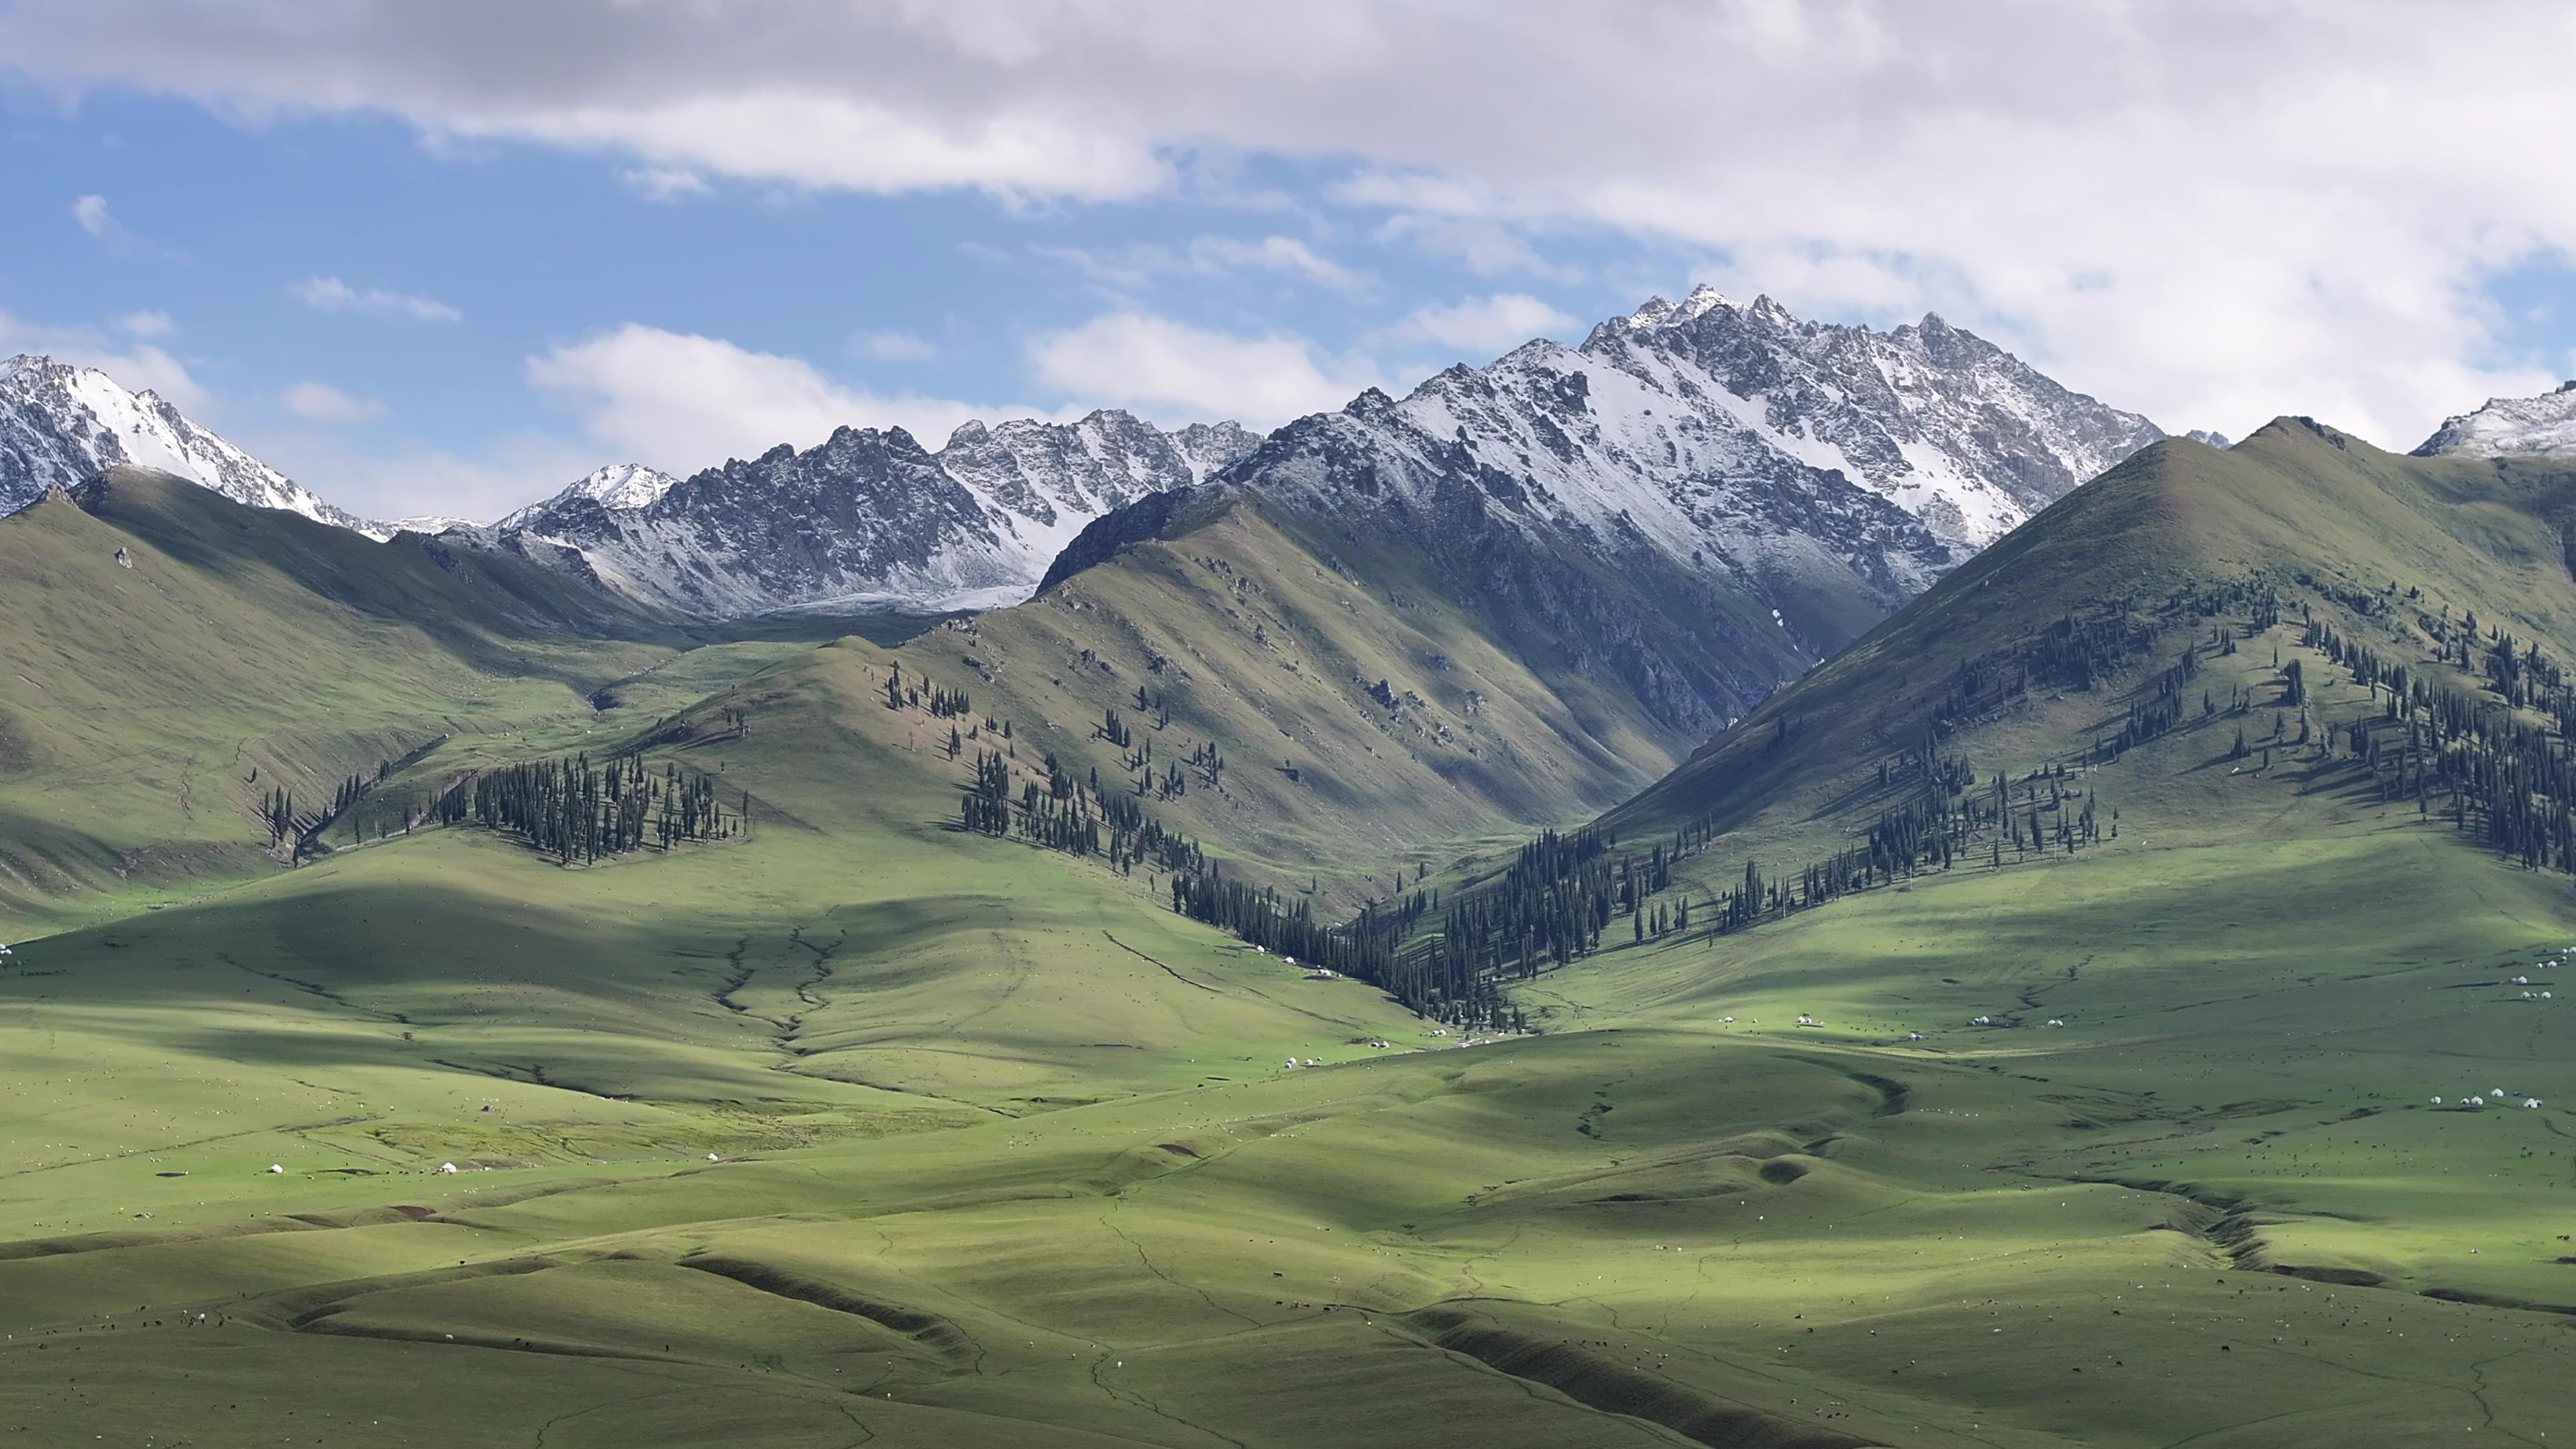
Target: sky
(444, 259)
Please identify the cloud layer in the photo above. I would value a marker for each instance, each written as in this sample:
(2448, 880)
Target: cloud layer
(2208, 209)
(330, 294)
(681, 402)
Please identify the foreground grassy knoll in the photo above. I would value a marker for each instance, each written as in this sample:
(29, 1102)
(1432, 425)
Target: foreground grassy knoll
(2216, 1206)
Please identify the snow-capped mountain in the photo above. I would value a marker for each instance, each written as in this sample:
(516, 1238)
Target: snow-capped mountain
(2543, 424)
(1708, 430)
(616, 487)
(868, 518)
(1713, 434)
(59, 424)
(1944, 424)
(1703, 499)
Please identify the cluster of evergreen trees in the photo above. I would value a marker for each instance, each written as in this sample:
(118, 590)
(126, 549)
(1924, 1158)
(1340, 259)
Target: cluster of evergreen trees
(942, 703)
(2497, 776)
(1071, 816)
(573, 810)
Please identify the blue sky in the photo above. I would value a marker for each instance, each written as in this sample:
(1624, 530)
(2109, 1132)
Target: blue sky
(446, 258)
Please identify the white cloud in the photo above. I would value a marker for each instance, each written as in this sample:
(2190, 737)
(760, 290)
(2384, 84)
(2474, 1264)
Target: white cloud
(1481, 245)
(1134, 267)
(892, 346)
(93, 216)
(415, 481)
(1486, 325)
(147, 324)
(140, 367)
(320, 402)
(663, 183)
(2211, 209)
(1179, 373)
(330, 294)
(1277, 254)
(681, 402)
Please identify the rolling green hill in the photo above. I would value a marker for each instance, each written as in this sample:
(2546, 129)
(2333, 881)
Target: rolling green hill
(151, 704)
(2326, 522)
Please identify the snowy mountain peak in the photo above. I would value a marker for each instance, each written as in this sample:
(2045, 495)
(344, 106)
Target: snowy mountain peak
(2543, 424)
(59, 424)
(868, 518)
(1702, 300)
(1949, 427)
(1658, 312)
(618, 487)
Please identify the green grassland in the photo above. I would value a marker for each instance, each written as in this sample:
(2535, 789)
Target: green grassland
(856, 1128)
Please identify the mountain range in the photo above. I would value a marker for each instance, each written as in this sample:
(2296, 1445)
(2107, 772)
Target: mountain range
(1717, 438)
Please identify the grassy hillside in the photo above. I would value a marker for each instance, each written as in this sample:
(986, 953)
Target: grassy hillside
(149, 706)
(1373, 714)
(2323, 519)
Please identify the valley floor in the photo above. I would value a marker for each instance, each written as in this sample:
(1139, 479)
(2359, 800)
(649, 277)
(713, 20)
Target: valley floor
(950, 1145)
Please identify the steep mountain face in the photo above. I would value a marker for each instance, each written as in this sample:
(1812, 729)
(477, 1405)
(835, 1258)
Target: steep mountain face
(868, 518)
(61, 424)
(1939, 421)
(1696, 505)
(2544, 424)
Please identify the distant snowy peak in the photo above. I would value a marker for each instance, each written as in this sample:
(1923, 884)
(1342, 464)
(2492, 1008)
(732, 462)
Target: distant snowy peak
(867, 519)
(625, 485)
(59, 424)
(1939, 421)
(616, 486)
(2544, 424)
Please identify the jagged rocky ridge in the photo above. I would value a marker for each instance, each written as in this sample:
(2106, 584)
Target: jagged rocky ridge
(868, 518)
(2543, 424)
(61, 424)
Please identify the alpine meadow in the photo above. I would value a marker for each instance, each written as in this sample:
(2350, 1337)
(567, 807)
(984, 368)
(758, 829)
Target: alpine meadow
(1739, 877)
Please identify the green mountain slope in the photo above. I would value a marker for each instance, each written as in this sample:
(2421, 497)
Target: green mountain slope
(1370, 712)
(148, 707)
(2325, 522)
